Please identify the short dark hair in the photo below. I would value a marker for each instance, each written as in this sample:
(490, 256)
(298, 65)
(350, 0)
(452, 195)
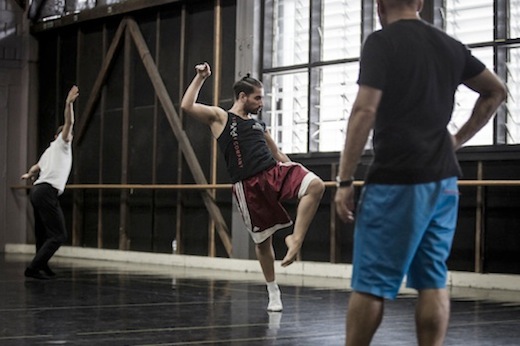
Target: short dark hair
(246, 85)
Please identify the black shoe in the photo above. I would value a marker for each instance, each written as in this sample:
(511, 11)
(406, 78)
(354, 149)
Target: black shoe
(48, 271)
(35, 274)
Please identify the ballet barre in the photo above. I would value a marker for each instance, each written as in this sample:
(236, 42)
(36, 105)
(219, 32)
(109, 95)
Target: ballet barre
(228, 186)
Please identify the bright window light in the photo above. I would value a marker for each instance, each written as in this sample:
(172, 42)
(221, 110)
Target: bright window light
(337, 90)
(286, 108)
(341, 29)
(470, 21)
(465, 100)
(291, 32)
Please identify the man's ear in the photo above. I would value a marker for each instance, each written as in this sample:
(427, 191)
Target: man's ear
(420, 5)
(381, 7)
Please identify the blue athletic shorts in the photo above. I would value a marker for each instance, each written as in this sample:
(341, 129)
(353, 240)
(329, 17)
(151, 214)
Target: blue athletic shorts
(404, 230)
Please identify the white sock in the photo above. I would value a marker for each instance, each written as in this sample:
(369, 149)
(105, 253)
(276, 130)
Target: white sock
(275, 300)
(272, 286)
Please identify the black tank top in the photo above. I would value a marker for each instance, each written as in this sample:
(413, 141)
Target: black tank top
(244, 147)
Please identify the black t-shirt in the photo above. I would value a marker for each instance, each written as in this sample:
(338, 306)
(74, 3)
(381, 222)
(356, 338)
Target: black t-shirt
(244, 147)
(418, 67)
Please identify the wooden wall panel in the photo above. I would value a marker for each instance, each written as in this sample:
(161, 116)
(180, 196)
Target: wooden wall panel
(80, 48)
(110, 219)
(501, 219)
(143, 94)
(199, 48)
(47, 103)
(90, 60)
(68, 54)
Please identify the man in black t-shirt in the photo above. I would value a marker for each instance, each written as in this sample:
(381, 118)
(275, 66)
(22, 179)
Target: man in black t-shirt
(407, 213)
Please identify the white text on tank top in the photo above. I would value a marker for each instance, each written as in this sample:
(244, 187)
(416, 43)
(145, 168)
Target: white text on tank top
(236, 146)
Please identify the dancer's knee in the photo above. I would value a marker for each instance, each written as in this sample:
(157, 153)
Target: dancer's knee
(316, 188)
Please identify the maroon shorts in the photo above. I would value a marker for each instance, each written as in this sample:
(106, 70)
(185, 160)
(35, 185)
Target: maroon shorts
(259, 197)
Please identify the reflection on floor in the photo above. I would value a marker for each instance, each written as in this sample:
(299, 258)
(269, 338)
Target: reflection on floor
(112, 303)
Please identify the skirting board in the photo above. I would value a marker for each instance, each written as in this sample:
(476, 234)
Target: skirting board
(304, 269)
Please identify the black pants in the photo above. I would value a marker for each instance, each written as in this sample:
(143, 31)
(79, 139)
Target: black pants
(49, 224)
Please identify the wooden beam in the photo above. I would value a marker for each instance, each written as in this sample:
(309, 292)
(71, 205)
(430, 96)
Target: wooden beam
(334, 248)
(217, 56)
(100, 81)
(357, 183)
(21, 3)
(100, 229)
(180, 207)
(99, 12)
(479, 224)
(78, 196)
(181, 136)
(124, 243)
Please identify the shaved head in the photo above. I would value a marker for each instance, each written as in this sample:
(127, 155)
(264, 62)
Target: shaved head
(401, 3)
(392, 10)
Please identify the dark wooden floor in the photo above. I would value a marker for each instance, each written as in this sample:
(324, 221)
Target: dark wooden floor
(111, 303)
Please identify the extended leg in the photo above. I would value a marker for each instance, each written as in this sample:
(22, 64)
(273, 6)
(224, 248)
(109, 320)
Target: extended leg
(305, 213)
(51, 216)
(265, 255)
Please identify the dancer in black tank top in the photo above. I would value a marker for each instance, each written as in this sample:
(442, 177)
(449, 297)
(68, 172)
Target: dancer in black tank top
(262, 175)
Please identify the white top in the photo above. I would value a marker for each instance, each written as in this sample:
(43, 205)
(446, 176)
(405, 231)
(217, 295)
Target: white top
(55, 164)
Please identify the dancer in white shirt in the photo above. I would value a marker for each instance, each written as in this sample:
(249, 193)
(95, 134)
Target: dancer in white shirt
(51, 173)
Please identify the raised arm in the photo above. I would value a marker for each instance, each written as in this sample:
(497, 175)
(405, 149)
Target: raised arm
(492, 93)
(68, 115)
(213, 116)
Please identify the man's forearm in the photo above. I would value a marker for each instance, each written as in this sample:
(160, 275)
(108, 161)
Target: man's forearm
(359, 126)
(192, 93)
(68, 114)
(32, 172)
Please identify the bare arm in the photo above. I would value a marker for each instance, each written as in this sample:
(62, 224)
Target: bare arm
(360, 123)
(68, 115)
(492, 93)
(32, 173)
(213, 116)
(277, 153)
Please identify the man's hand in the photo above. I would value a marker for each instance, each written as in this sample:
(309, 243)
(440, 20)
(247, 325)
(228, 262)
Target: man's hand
(344, 200)
(203, 70)
(73, 94)
(31, 174)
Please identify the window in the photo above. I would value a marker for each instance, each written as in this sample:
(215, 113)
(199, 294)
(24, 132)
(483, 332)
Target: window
(465, 100)
(287, 112)
(290, 32)
(512, 122)
(312, 60)
(340, 29)
(513, 102)
(310, 74)
(337, 89)
(471, 22)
